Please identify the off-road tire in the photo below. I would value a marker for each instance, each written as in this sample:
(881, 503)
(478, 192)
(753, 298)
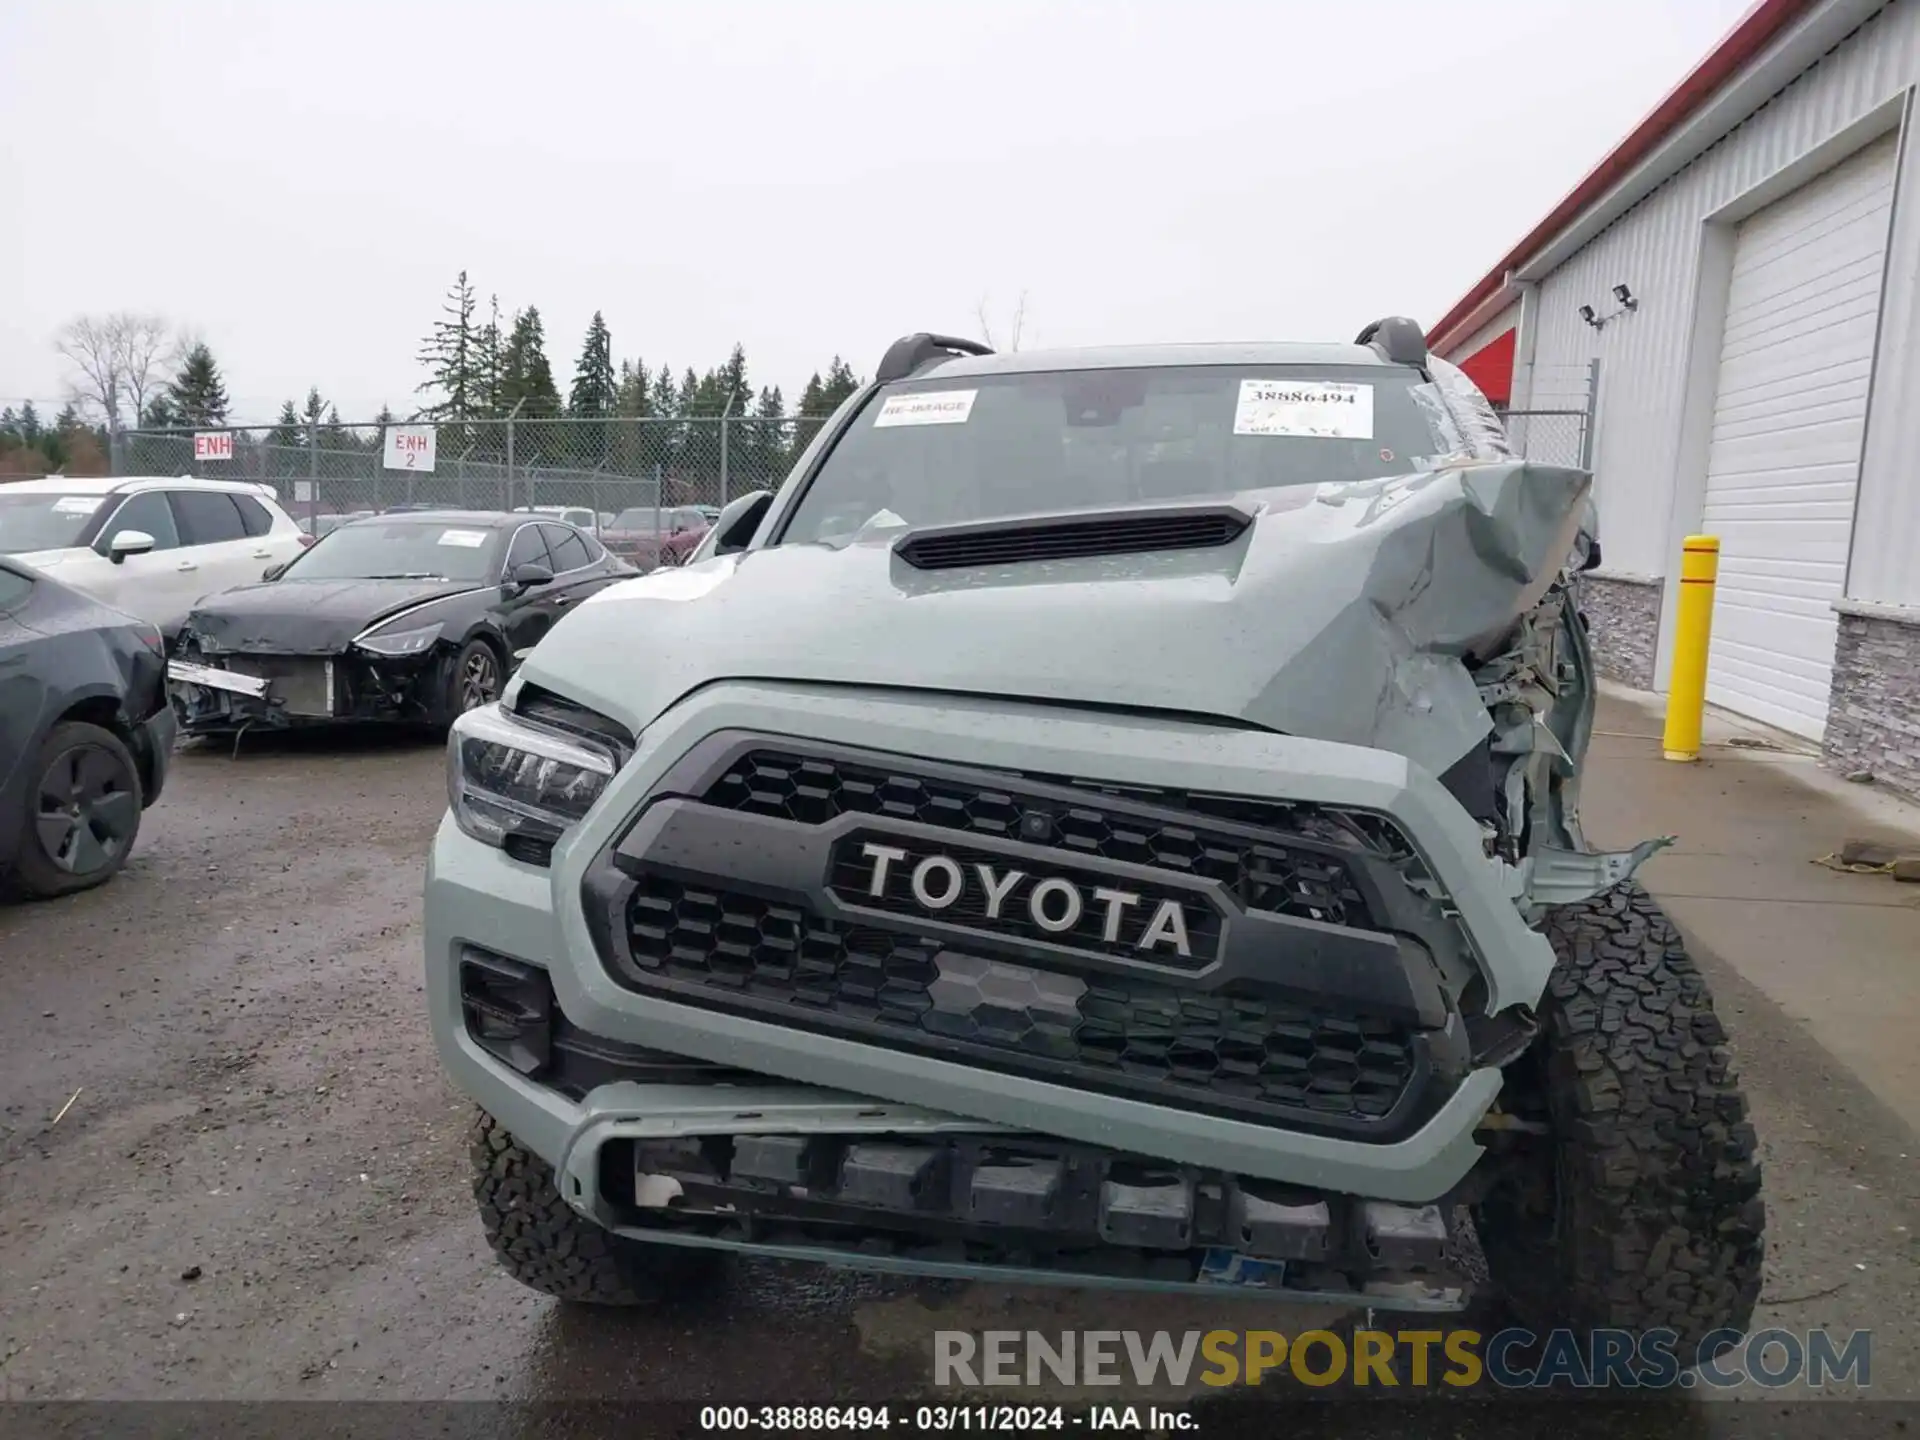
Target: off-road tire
(548, 1246)
(1655, 1218)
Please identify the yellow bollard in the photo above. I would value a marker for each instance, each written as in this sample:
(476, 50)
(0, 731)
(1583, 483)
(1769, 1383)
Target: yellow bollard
(1692, 629)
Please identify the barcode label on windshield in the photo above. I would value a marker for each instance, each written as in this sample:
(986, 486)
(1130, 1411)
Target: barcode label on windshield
(1323, 409)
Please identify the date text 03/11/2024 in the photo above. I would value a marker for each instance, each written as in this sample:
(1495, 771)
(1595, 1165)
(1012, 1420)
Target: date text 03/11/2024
(743, 1419)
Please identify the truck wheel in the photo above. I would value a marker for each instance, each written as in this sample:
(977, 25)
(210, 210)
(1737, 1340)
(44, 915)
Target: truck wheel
(548, 1246)
(1641, 1207)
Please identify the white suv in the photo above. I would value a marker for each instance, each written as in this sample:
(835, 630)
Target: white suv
(150, 546)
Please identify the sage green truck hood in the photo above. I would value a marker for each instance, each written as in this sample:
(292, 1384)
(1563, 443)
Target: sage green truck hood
(1342, 613)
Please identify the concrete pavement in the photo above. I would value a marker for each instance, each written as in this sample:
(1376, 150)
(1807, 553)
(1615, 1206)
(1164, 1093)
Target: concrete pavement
(1838, 952)
(1817, 976)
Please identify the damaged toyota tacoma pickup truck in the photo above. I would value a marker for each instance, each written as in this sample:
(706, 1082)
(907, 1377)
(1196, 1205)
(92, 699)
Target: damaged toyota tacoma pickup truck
(1110, 819)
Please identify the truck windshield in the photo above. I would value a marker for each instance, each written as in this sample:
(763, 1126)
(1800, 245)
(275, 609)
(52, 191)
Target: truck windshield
(941, 451)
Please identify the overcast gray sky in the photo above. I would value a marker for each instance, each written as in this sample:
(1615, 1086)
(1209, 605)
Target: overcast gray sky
(299, 183)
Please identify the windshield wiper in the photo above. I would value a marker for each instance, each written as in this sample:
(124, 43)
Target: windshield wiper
(406, 575)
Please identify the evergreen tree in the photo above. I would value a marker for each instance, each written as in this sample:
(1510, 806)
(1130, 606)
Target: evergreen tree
(375, 442)
(591, 398)
(632, 396)
(812, 413)
(841, 382)
(595, 387)
(659, 438)
(630, 443)
(197, 394)
(694, 400)
(451, 354)
(286, 430)
(313, 414)
(526, 378)
(767, 453)
(488, 356)
(68, 422)
(29, 424)
(160, 413)
(732, 384)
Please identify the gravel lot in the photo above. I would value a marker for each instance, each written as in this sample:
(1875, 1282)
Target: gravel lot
(259, 1187)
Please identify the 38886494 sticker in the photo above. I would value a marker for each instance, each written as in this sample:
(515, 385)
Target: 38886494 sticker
(1318, 409)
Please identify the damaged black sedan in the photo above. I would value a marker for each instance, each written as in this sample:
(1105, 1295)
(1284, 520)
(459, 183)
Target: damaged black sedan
(413, 618)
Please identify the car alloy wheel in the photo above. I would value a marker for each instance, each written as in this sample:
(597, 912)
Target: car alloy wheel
(88, 810)
(479, 679)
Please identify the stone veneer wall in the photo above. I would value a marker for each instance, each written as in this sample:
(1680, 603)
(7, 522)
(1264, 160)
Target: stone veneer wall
(1873, 718)
(1623, 621)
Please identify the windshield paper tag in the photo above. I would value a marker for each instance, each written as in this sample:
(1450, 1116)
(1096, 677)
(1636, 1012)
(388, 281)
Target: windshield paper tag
(76, 505)
(465, 539)
(942, 407)
(1320, 408)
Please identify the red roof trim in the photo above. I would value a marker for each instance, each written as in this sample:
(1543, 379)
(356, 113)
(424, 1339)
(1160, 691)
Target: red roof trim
(1491, 367)
(1752, 34)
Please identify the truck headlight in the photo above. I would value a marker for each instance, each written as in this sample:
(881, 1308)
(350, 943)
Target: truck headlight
(508, 781)
(399, 642)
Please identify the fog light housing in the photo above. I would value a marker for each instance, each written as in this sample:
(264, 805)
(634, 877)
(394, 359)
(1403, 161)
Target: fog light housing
(508, 1006)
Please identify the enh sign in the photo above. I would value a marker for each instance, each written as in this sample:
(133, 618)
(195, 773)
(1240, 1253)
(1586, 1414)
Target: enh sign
(213, 445)
(409, 447)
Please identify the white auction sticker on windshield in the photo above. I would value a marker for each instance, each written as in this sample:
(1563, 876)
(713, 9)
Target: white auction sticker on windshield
(465, 539)
(76, 505)
(941, 407)
(1325, 409)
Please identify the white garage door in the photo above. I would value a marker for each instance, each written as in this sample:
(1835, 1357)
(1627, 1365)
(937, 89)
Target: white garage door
(1788, 422)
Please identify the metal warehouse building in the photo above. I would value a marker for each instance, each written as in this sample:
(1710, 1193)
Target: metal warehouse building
(1733, 299)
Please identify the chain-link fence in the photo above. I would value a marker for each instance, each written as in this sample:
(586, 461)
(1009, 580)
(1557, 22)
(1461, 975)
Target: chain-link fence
(1548, 437)
(608, 467)
(1556, 427)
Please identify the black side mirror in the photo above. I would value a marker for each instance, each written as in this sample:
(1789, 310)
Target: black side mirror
(1593, 558)
(526, 576)
(739, 519)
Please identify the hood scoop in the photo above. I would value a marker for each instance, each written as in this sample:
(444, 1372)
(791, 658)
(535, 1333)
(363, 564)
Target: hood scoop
(1074, 536)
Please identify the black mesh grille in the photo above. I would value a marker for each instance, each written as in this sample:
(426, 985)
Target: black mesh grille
(1227, 1053)
(1285, 876)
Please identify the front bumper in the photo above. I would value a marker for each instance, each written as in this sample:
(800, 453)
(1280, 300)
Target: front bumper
(477, 895)
(229, 692)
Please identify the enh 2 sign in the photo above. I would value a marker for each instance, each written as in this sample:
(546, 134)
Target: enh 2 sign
(409, 447)
(213, 445)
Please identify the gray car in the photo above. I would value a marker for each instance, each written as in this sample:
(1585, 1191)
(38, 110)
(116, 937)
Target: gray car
(1110, 818)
